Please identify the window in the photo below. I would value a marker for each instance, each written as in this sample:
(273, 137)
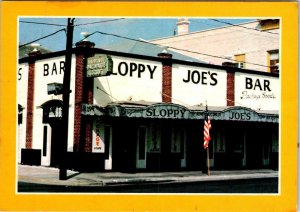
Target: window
(52, 111)
(107, 134)
(20, 114)
(142, 143)
(240, 59)
(45, 141)
(273, 61)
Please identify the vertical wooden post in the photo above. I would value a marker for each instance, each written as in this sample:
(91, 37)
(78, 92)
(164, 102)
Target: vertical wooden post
(208, 165)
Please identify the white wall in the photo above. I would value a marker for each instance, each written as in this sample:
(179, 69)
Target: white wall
(42, 78)
(22, 86)
(132, 86)
(257, 91)
(205, 85)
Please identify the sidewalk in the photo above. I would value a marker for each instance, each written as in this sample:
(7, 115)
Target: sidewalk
(50, 176)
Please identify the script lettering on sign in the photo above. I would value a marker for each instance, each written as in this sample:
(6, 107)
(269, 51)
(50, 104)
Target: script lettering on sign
(252, 85)
(99, 65)
(257, 91)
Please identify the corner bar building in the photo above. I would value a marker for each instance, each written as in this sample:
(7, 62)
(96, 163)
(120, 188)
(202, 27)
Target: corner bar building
(139, 113)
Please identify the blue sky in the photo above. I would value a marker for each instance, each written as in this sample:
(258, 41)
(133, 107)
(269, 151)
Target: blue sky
(144, 28)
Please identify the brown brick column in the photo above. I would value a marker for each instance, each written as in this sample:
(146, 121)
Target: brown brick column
(89, 87)
(78, 100)
(83, 94)
(230, 89)
(230, 82)
(166, 77)
(30, 100)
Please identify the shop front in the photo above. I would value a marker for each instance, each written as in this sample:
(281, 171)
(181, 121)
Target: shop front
(169, 137)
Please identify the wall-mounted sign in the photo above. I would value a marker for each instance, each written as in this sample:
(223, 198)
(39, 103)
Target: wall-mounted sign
(167, 111)
(91, 110)
(257, 91)
(173, 111)
(99, 65)
(194, 85)
(52, 111)
(98, 137)
(160, 111)
(55, 88)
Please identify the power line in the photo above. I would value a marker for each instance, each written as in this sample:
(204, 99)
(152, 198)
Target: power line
(42, 37)
(41, 23)
(231, 30)
(142, 41)
(98, 22)
(236, 25)
(194, 52)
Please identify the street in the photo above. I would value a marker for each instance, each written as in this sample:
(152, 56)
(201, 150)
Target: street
(266, 185)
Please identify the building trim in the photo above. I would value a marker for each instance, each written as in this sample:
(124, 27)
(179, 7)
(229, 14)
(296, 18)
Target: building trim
(82, 50)
(176, 111)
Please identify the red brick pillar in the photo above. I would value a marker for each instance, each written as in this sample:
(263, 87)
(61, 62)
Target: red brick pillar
(166, 77)
(81, 127)
(230, 83)
(30, 99)
(78, 100)
(230, 89)
(89, 87)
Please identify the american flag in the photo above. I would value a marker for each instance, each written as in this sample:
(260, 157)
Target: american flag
(207, 126)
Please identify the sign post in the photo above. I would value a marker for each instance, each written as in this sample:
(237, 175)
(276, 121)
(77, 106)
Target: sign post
(208, 165)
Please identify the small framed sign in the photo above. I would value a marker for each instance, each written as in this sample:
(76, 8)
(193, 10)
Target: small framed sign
(99, 65)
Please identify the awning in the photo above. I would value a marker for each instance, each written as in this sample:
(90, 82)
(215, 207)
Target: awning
(175, 111)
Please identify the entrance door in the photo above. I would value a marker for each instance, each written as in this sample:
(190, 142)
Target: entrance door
(56, 141)
(124, 147)
(254, 148)
(170, 160)
(234, 147)
(165, 162)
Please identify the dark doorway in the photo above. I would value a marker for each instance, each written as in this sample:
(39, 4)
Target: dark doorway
(254, 147)
(170, 158)
(56, 140)
(124, 146)
(165, 156)
(195, 154)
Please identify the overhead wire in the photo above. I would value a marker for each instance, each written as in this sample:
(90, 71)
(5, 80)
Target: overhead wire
(42, 23)
(98, 22)
(169, 47)
(46, 36)
(232, 30)
(142, 41)
(236, 25)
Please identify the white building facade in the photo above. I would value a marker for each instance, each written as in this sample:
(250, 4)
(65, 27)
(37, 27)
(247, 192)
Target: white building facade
(146, 113)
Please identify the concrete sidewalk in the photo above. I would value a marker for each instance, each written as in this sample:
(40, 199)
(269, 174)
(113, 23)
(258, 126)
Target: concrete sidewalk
(50, 176)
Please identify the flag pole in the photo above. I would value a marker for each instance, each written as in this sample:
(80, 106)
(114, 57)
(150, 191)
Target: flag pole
(207, 148)
(208, 165)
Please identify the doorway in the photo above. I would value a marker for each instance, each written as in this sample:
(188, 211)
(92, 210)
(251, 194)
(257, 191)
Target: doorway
(56, 141)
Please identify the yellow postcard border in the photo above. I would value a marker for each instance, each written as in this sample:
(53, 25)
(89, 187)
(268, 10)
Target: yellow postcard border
(285, 201)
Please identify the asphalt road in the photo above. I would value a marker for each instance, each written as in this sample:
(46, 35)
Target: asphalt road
(265, 185)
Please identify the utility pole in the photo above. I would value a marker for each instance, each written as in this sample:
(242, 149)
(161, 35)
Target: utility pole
(66, 99)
